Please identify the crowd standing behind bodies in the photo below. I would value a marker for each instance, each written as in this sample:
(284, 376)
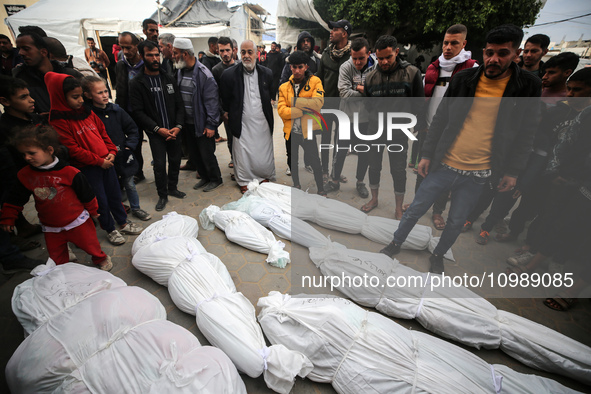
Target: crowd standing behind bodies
(91, 150)
(503, 133)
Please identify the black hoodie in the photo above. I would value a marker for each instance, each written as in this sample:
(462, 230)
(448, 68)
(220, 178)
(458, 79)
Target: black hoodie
(313, 63)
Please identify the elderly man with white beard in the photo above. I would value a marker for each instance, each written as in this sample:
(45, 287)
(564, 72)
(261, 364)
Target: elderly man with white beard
(246, 92)
(202, 114)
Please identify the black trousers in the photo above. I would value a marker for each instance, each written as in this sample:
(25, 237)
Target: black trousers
(161, 148)
(310, 156)
(202, 154)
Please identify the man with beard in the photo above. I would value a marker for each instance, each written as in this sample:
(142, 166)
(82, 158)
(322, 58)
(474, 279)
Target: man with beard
(35, 54)
(536, 47)
(10, 57)
(202, 113)
(150, 29)
(226, 50)
(127, 68)
(306, 44)
(157, 107)
(246, 93)
(473, 143)
(211, 58)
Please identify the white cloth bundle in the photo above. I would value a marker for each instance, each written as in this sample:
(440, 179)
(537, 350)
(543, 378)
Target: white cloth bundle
(240, 228)
(117, 341)
(364, 352)
(40, 298)
(171, 225)
(200, 284)
(337, 215)
(452, 312)
(270, 215)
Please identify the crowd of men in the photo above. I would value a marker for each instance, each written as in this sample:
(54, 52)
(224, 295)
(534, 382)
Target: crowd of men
(485, 150)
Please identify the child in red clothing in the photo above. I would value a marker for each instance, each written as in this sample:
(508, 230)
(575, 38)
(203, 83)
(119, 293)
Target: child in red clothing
(91, 151)
(63, 198)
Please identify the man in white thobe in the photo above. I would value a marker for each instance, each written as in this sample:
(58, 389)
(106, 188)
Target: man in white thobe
(246, 92)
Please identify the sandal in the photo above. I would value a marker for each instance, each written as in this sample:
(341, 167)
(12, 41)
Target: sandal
(368, 208)
(343, 179)
(243, 189)
(560, 302)
(438, 221)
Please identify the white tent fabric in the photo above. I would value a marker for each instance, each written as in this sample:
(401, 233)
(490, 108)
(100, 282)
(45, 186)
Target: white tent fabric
(337, 215)
(171, 225)
(270, 215)
(302, 9)
(240, 228)
(37, 300)
(71, 21)
(200, 284)
(117, 341)
(364, 352)
(453, 312)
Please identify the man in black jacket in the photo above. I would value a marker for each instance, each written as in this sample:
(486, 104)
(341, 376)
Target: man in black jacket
(248, 128)
(474, 143)
(157, 107)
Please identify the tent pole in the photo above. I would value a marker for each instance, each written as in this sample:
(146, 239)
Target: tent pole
(98, 38)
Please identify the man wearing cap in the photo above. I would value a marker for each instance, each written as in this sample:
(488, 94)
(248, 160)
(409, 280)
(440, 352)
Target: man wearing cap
(337, 53)
(246, 90)
(202, 113)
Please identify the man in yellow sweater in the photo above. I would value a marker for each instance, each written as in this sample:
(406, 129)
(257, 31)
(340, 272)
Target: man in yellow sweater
(481, 140)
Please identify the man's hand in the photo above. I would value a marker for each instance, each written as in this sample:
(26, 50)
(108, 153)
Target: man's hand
(516, 194)
(507, 183)
(110, 157)
(95, 216)
(209, 132)
(106, 164)
(225, 116)
(424, 167)
(174, 132)
(8, 228)
(360, 88)
(165, 133)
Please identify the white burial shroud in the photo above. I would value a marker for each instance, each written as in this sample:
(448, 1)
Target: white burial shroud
(171, 225)
(453, 312)
(200, 284)
(109, 341)
(364, 352)
(270, 215)
(243, 230)
(337, 215)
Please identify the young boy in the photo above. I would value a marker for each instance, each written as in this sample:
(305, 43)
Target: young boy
(91, 150)
(123, 133)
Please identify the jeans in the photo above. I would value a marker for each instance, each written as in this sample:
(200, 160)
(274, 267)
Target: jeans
(132, 196)
(160, 149)
(465, 191)
(105, 185)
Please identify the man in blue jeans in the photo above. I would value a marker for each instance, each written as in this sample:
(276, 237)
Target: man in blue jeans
(474, 144)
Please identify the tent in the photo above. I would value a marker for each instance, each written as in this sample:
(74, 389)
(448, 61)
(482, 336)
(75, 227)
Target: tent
(71, 21)
(302, 9)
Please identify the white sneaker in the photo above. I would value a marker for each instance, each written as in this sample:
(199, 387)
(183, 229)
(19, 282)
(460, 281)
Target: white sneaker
(131, 228)
(116, 238)
(106, 265)
(288, 172)
(521, 260)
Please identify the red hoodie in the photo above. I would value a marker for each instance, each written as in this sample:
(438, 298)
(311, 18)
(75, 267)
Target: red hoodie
(81, 131)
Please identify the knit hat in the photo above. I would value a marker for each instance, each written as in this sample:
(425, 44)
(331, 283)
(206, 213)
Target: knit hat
(182, 43)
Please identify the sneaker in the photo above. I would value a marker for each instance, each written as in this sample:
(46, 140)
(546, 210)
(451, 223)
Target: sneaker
(106, 265)
(309, 169)
(141, 214)
(391, 249)
(362, 190)
(436, 264)
(288, 172)
(212, 186)
(332, 186)
(482, 238)
(130, 228)
(520, 260)
(23, 264)
(200, 184)
(72, 256)
(467, 226)
(116, 238)
(161, 204)
(176, 193)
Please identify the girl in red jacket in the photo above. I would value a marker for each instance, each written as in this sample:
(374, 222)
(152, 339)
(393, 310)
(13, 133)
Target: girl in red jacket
(63, 198)
(91, 150)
